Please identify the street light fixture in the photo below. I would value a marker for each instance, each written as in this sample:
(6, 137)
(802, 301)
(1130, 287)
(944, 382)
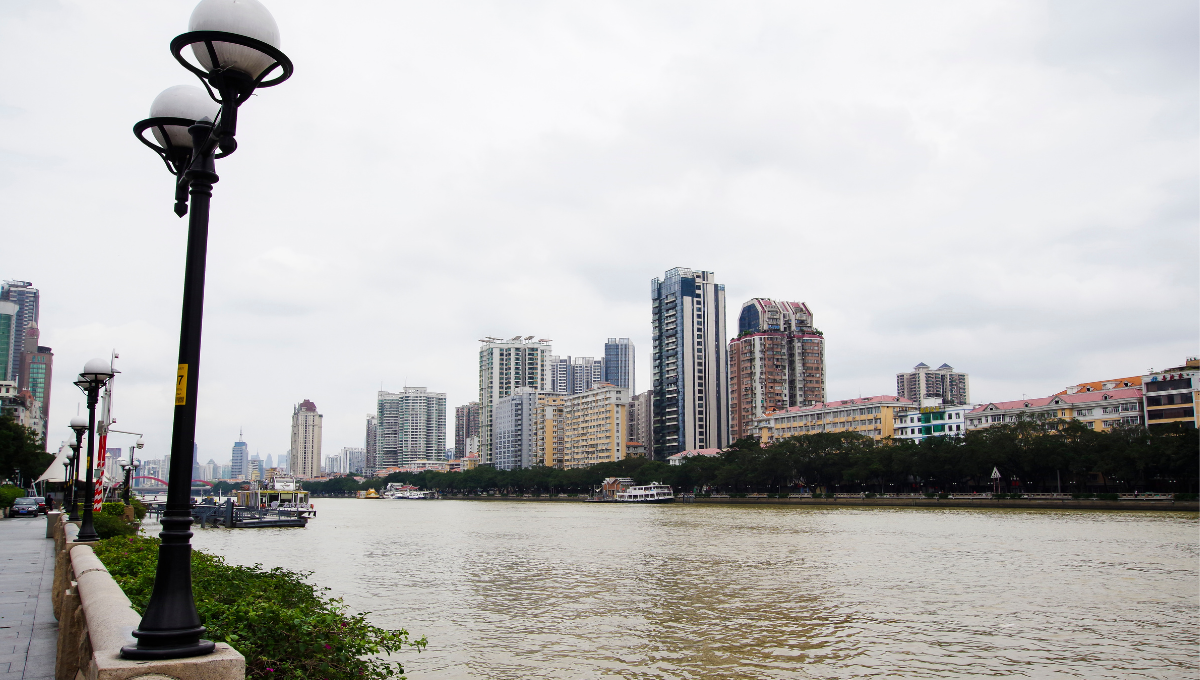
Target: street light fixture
(236, 47)
(96, 373)
(80, 425)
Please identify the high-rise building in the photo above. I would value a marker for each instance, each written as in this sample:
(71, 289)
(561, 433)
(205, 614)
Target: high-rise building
(304, 460)
(514, 427)
(370, 464)
(411, 426)
(619, 363)
(505, 365)
(777, 361)
(466, 425)
(572, 375)
(641, 418)
(595, 424)
(239, 463)
(37, 368)
(270, 461)
(943, 383)
(28, 300)
(354, 459)
(9, 320)
(690, 364)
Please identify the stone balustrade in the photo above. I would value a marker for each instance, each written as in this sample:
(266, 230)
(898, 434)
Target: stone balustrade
(96, 619)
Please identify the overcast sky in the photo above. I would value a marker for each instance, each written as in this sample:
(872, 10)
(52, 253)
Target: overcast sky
(1009, 187)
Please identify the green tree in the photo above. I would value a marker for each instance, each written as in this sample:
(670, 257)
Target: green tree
(21, 450)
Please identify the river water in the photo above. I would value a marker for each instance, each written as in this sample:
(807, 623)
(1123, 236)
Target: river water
(509, 589)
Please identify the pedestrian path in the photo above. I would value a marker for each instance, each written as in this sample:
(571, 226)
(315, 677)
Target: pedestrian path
(28, 631)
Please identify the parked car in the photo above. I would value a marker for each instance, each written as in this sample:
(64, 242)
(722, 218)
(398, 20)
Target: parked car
(24, 507)
(42, 504)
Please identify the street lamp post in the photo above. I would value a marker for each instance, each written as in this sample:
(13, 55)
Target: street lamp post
(235, 44)
(80, 425)
(67, 482)
(130, 469)
(96, 373)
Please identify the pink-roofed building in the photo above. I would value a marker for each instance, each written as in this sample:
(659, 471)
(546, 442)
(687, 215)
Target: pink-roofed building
(678, 458)
(1099, 410)
(875, 417)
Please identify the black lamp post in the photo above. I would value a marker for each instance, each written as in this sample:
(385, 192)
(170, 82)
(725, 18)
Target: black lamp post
(96, 373)
(130, 468)
(235, 43)
(66, 482)
(80, 425)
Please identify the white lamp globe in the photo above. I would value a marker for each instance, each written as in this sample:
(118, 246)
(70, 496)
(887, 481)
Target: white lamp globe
(243, 17)
(79, 423)
(96, 371)
(182, 101)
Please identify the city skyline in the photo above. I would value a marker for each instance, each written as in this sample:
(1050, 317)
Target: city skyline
(1058, 155)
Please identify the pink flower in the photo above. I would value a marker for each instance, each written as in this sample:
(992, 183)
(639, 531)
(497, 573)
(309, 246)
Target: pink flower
(270, 670)
(327, 647)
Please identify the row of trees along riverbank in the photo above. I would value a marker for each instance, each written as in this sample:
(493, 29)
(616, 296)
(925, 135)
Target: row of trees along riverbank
(1032, 456)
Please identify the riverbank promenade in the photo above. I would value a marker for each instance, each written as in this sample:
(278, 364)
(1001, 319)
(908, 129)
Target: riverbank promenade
(28, 631)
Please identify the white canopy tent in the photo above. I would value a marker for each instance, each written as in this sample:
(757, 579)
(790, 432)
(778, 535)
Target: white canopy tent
(56, 473)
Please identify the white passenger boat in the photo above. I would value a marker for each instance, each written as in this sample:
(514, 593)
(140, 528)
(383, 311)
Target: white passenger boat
(651, 493)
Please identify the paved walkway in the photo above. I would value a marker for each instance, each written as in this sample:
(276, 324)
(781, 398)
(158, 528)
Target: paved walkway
(28, 631)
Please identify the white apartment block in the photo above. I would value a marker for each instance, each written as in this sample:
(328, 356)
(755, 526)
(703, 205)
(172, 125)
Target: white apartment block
(931, 419)
(410, 425)
(1099, 410)
(504, 366)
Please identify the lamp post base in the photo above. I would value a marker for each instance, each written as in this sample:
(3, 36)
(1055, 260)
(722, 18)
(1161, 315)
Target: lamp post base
(200, 648)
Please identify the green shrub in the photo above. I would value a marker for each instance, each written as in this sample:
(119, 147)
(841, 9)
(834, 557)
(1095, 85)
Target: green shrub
(943, 495)
(108, 526)
(139, 509)
(1082, 496)
(869, 494)
(10, 493)
(113, 509)
(930, 494)
(999, 496)
(1107, 497)
(1186, 496)
(286, 628)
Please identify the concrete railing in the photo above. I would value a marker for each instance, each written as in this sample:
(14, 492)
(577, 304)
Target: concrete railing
(96, 619)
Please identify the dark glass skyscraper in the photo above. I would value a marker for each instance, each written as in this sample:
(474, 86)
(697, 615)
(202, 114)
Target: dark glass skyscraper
(691, 371)
(27, 299)
(618, 363)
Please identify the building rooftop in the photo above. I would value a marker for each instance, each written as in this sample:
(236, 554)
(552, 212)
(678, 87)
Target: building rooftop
(881, 399)
(1062, 398)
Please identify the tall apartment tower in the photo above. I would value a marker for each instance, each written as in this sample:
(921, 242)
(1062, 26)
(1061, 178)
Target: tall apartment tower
(36, 373)
(594, 424)
(27, 299)
(691, 379)
(466, 425)
(505, 365)
(304, 460)
(618, 363)
(411, 426)
(943, 383)
(10, 315)
(239, 462)
(369, 465)
(776, 361)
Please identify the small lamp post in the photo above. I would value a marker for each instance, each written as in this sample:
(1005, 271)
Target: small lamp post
(95, 375)
(130, 470)
(66, 481)
(235, 44)
(80, 425)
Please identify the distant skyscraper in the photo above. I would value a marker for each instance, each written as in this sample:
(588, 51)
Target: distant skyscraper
(239, 464)
(514, 424)
(37, 368)
(411, 426)
(354, 459)
(270, 461)
(28, 300)
(776, 361)
(691, 398)
(304, 460)
(466, 425)
(619, 364)
(943, 383)
(505, 365)
(9, 320)
(572, 375)
(370, 457)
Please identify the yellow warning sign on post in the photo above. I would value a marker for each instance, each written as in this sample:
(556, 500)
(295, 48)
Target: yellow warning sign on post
(181, 386)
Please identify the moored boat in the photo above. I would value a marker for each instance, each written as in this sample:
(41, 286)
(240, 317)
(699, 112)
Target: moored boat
(650, 493)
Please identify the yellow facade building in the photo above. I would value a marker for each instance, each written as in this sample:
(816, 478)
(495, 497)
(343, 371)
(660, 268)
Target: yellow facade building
(594, 425)
(874, 417)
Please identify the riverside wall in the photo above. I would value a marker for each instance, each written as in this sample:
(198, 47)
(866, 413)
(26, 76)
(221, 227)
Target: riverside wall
(1021, 503)
(95, 619)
